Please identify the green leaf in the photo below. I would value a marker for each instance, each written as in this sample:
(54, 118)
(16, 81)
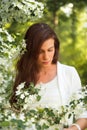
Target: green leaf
(44, 126)
(38, 98)
(4, 123)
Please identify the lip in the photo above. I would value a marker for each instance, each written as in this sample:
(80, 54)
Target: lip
(46, 62)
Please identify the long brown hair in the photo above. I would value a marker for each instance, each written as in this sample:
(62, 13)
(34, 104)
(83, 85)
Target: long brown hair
(27, 67)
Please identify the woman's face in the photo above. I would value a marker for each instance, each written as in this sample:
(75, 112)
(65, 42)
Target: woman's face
(46, 54)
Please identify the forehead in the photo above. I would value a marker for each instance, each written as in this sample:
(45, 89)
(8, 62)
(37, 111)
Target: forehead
(48, 43)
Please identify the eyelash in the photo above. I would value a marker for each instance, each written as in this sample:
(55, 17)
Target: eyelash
(43, 52)
(50, 50)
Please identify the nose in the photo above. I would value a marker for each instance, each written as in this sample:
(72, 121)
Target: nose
(46, 56)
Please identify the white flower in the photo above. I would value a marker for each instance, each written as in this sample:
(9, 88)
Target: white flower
(42, 121)
(30, 125)
(23, 11)
(1, 116)
(1, 99)
(12, 116)
(26, 93)
(19, 89)
(6, 112)
(30, 102)
(22, 116)
(66, 120)
(1, 78)
(20, 86)
(28, 122)
(26, 99)
(32, 119)
(42, 89)
(18, 92)
(32, 98)
(31, 110)
(25, 106)
(22, 96)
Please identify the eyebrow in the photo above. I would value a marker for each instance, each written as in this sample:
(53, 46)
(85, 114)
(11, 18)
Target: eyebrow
(48, 48)
(51, 47)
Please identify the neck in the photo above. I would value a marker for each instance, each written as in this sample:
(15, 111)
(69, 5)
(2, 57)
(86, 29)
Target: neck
(46, 70)
(47, 74)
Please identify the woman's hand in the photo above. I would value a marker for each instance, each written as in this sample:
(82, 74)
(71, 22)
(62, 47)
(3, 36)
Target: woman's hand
(71, 128)
(68, 129)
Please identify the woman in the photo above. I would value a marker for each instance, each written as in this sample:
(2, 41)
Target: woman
(39, 65)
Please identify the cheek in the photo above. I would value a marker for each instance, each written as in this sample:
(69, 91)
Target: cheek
(40, 58)
(52, 54)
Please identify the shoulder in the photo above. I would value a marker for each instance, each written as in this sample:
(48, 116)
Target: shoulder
(70, 76)
(66, 68)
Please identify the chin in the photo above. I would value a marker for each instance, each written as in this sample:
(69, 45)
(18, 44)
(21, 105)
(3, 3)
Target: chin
(46, 63)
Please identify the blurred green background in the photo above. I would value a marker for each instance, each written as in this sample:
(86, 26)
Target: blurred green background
(68, 18)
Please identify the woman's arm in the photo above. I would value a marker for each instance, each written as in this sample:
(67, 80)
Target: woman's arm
(82, 124)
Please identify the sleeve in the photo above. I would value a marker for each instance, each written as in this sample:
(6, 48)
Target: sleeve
(76, 86)
(76, 82)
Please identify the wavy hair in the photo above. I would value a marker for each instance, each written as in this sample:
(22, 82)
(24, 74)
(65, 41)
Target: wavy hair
(27, 67)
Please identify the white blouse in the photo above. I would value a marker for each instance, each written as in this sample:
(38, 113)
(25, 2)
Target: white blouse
(51, 96)
(58, 91)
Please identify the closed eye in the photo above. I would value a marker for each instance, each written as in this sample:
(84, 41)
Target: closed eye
(50, 50)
